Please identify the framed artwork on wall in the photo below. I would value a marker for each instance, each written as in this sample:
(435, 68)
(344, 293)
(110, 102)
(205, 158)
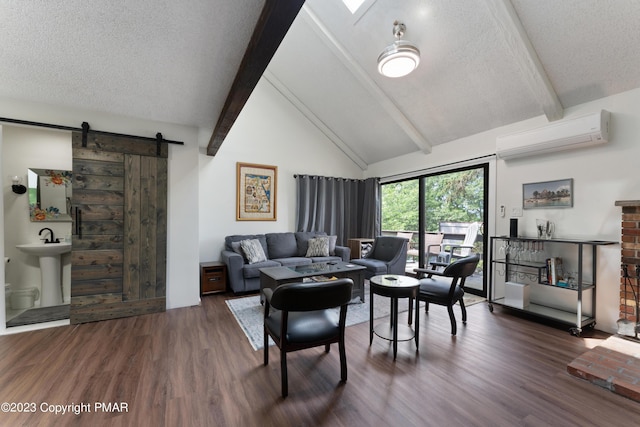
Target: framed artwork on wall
(548, 194)
(256, 192)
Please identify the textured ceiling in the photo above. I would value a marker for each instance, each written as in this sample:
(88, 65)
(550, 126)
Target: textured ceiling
(588, 48)
(484, 63)
(171, 61)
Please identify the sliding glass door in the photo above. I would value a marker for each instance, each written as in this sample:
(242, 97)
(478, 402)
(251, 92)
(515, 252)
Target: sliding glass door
(443, 214)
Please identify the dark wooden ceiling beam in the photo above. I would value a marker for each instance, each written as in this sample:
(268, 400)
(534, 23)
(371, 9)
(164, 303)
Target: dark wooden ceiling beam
(273, 24)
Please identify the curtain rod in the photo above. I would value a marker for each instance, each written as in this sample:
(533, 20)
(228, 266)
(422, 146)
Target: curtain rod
(72, 129)
(327, 177)
(418, 172)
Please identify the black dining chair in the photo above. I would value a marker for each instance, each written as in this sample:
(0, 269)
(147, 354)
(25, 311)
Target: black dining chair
(305, 317)
(446, 288)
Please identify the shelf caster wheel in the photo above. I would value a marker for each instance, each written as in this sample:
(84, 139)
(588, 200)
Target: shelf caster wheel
(490, 308)
(575, 332)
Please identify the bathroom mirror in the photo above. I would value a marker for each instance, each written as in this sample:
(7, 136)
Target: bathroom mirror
(49, 195)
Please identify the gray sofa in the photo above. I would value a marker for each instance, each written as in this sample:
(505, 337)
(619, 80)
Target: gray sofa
(281, 249)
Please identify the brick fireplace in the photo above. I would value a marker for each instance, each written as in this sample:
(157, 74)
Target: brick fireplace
(631, 258)
(615, 363)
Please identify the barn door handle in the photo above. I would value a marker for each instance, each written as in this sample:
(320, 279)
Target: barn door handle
(78, 223)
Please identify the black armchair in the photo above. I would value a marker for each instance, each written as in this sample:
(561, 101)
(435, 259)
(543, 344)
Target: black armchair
(305, 319)
(447, 288)
(387, 256)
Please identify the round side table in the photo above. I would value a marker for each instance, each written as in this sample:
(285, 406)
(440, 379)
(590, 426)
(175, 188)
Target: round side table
(394, 286)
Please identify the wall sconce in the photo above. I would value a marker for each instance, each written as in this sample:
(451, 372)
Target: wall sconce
(17, 187)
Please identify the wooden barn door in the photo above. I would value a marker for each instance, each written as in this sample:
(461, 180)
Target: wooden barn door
(119, 234)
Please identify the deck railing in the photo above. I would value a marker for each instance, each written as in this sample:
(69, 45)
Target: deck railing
(454, 233)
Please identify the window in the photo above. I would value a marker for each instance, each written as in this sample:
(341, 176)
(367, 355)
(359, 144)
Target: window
(450, 202)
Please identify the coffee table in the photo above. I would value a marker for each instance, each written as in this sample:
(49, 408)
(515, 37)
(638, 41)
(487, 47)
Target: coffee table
(272, 277)
(394, 287)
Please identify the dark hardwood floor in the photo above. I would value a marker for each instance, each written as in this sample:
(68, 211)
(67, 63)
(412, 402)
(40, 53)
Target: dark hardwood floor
(194, 367)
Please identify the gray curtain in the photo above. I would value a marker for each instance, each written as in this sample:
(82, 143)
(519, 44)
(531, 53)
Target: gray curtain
(347, 208)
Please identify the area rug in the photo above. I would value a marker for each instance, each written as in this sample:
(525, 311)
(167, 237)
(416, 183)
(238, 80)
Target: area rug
(40, 315)
(249, 313)
(470, 299)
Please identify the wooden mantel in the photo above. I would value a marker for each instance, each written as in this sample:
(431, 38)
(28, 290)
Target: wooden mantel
(628, 203)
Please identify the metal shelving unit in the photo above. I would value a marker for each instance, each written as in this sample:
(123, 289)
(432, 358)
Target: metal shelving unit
(537, 273)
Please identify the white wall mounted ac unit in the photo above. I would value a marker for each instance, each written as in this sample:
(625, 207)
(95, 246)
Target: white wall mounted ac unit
(592, 129)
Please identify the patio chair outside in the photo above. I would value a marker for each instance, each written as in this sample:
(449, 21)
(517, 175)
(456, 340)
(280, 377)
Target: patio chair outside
(433, 247)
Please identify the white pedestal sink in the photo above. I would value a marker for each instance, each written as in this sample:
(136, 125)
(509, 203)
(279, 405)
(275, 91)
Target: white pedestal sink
(50, 268)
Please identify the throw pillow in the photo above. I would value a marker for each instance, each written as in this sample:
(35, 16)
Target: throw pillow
(332, 245)
(235, 246)
(253, 251)
(318, 246)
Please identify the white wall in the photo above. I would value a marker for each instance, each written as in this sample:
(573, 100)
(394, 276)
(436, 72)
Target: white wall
(601, 176)
(182, 216)
(24, 148)
(269, 131)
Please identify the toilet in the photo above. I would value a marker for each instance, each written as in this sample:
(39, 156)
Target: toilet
(22, 299)
(19, 299)
(7, 290)
(7, 297)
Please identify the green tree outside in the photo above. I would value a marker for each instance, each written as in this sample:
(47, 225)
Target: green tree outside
(452, 197)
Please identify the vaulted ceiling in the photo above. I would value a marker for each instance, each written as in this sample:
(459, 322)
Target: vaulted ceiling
(484, 64)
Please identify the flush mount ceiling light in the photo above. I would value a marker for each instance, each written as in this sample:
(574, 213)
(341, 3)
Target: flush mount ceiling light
(399, 58)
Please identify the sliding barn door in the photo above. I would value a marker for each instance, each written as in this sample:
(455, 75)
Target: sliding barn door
(119, 235)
